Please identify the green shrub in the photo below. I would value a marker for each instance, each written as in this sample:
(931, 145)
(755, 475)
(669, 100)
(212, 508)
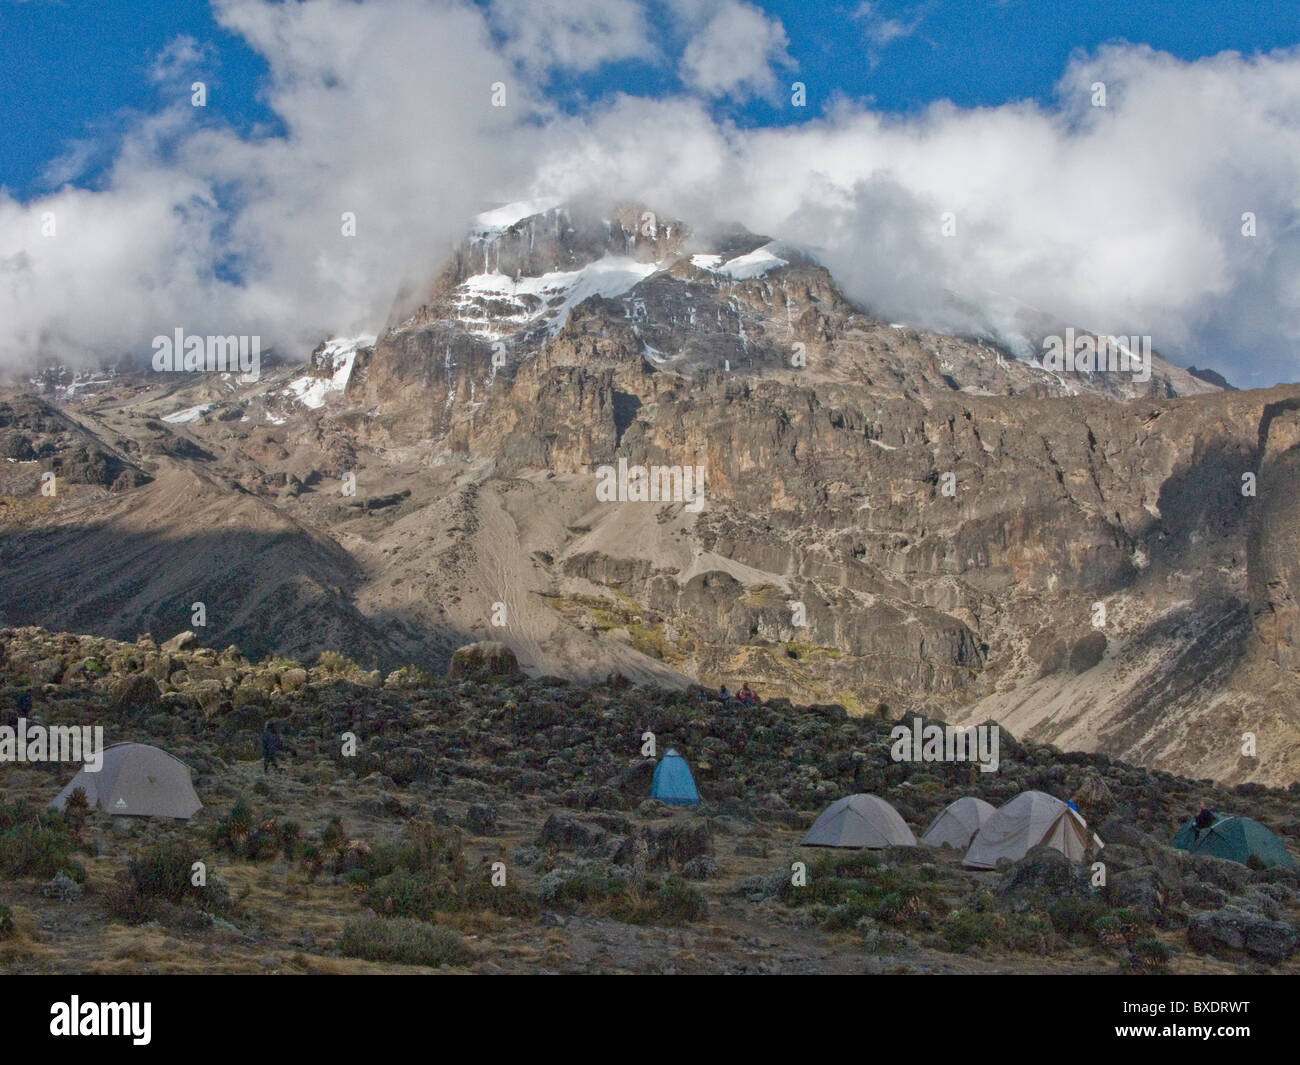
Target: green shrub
(404, 894)
(678, 900)
(1076, 917)
(402, 940)
(156, 886)
(290, 838)
(853, 886)
(340, 665)
(963, 929)
(232, 831)
(672, 900)
(1149, 955)
(237, 834)
(332, 837)
(1121, 927)
(590, 888)
(162, 871)
(37, 844)
(76, 810)
(1029, 932)
(6, 922)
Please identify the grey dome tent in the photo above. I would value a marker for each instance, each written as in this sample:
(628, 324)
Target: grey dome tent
(859, 821)
(958, 823)
(136, 780)
(1031, 819)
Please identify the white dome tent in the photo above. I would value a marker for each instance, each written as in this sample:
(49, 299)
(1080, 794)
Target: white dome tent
(958, 823)
(859, 821)
(1031, 819)
(136, 780)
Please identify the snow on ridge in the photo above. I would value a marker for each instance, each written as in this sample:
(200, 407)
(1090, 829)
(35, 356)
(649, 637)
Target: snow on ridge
(189, 414)
(707, 261)
(558, 293)
(339, 356)
(743, 267)
(757, 263)
(502, 218)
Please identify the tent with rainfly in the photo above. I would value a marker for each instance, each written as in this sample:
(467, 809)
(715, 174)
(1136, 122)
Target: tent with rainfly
(136, 780)
(1236, 838)
(1031, 819)
(958, 823)
(859, 821)
(673, 782)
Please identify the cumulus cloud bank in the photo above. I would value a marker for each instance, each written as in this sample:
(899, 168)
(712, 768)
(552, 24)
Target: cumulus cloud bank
(1127, 218)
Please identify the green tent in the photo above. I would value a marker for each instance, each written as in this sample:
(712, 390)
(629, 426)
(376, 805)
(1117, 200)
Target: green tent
(1237, 839)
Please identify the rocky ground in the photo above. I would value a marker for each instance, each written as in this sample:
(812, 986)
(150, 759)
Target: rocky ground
(385, 860)
(892, 515)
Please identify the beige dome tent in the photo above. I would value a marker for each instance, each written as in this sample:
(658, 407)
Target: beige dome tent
(138, 780)
(957, 824)
(1031, 819)
(859, 821)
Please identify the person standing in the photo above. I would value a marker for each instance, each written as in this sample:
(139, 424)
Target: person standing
(272, 745)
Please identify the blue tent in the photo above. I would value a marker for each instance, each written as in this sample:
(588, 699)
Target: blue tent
(673, 782)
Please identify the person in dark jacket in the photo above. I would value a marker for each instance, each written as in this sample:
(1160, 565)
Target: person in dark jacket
(272, 745)
(1205, 818)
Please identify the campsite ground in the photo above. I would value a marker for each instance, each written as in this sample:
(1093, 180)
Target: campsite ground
(384, 862)
(289, 922)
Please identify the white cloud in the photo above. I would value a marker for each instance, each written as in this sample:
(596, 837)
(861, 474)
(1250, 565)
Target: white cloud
(182, 58)
(373, 126)
(735, 53)
(881, 30)
(1125, 218)
(581, 35)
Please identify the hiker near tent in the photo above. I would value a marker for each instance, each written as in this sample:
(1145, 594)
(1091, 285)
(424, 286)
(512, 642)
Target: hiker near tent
(724, 695)
(272, 745)
(746, 695)
(1236, 839)
(1204, 819)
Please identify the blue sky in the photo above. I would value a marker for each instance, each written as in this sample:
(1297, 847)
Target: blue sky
(1128, 218)
(76, 69)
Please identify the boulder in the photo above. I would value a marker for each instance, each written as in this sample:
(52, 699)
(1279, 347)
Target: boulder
(1046, 870)
(1232, 877)
(482, 820)
(671, 846)
(488, 660)
(180, 642)
(568, 833)
(138, 695)
(1141, 890)
(293, 679)
(1233, 931)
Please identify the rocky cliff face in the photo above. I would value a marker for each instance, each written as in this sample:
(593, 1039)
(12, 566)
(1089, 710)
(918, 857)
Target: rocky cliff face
(889, 515)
